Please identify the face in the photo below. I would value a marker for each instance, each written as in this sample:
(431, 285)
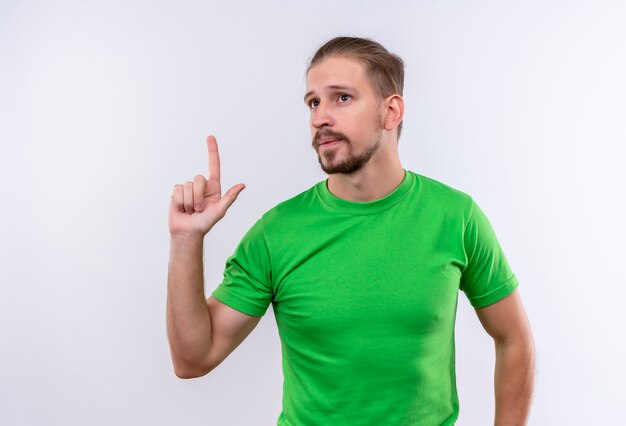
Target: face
(346, 117)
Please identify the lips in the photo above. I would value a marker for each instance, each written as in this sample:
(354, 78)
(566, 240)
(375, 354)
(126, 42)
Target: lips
(328, 140)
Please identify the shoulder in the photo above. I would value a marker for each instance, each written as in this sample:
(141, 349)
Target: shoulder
(442, 195)
(292, 209)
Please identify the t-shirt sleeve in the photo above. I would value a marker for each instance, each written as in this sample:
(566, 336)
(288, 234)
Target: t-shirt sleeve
(487, 277)
(247, 276)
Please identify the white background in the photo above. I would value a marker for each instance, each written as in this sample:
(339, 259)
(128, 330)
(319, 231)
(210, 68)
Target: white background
(105, 106)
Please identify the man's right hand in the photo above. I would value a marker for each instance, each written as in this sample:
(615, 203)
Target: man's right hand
(196, 206)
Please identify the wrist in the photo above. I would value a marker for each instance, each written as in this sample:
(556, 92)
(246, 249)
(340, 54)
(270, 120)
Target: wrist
(187, 238)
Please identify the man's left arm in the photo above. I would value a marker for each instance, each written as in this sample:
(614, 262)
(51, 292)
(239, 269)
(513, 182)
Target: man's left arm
(507, 323)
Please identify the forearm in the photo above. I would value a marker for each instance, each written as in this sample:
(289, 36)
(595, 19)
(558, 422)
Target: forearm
(514, 381)
(188, 319)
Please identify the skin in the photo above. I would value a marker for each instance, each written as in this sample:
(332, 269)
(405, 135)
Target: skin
(514, 376)
(364, 166)
(201, 332)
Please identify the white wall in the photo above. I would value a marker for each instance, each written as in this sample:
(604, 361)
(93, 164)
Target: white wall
(105, 106)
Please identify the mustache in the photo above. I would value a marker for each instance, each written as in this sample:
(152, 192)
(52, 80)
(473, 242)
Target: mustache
(328, 133)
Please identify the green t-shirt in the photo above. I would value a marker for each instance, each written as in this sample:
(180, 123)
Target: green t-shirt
(365, 296)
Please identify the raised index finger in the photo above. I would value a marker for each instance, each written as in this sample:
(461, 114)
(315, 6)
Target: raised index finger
(214, 158)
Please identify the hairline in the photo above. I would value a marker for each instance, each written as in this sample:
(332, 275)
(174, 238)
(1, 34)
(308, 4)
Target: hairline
(361, 60)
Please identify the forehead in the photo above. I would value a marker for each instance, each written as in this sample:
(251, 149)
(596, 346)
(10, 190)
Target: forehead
(336, 71)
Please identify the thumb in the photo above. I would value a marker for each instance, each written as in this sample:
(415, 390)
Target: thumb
(231, 195)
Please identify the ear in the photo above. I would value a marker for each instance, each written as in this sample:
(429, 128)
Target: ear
(394, 111)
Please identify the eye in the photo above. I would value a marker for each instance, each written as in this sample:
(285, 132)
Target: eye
(313, 103)
(344, 97)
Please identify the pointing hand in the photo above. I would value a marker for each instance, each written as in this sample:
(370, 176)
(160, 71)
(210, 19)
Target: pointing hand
(196, 206)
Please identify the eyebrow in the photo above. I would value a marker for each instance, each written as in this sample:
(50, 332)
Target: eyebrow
(333, 87)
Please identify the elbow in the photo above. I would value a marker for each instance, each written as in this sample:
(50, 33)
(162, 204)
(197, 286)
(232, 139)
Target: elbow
(190, 373)
(190, 367)
(519, 337)
(185, 370)
(521, 348)
(186, 374)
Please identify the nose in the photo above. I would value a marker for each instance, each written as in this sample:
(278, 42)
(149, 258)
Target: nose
(321, 116)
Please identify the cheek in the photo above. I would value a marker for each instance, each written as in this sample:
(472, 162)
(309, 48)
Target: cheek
(364, 122)
(311, 126)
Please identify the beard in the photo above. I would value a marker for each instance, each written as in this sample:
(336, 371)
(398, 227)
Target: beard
(351, 163)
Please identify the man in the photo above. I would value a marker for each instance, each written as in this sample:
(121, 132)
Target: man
(362, 270)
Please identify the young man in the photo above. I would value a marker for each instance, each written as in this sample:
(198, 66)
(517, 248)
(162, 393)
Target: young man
(363, 269)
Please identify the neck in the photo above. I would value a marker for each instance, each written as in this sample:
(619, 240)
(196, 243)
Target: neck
(377, 179)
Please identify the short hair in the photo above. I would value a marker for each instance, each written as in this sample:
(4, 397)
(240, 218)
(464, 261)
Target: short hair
(384, 69)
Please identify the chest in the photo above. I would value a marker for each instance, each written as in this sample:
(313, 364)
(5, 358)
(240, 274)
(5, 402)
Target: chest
(401, 279)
